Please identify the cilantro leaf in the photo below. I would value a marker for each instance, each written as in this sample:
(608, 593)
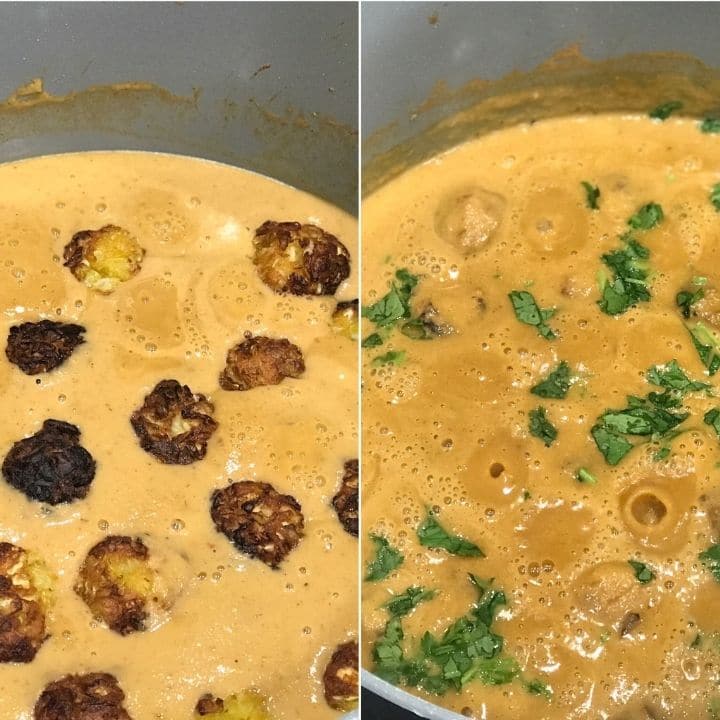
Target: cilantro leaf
(685, 299)
(712, 418)
(613, 446)
(592, 195)
(647, 217)
(537, 687)
(628, 286)
(707, 346)
(710, 558)
(643, 572)
(540, 427)
(395, 305)
(715, 196)
(372, 340)
(391, 357)
(664, 111)
(672, 377)
(529, 312)
(387, 558)
(583, 475)
(406, 602)
(432, 535)
(710, 125)
(555, 385)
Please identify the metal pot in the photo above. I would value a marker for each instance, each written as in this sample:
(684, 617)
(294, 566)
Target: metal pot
(410, 47)
(271, 87)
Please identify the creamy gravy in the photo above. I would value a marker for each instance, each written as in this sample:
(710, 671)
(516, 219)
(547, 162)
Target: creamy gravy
(235, 623)
(448, 427)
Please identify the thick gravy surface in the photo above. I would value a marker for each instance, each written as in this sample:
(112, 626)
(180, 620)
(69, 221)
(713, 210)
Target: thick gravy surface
(235, 623)
(544, 483)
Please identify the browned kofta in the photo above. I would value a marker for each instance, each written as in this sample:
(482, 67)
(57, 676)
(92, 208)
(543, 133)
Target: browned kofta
(26, 587)
(174, 424)
(116, 582)
(300, 259)
(345, 501)
(38, 347)
(346, 319)
(95, 696)
(261, 522)
(341, 678)
(102, 259)
(50, 466)
(260, 361)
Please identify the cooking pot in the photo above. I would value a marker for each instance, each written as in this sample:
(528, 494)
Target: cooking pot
(271, 87)
(436, 74)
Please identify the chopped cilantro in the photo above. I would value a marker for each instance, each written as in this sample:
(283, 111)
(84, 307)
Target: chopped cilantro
(583, 475)
(715, 196)
(387, 558)
(628, 286)
(685, 299)
(391, 357)
(613, 446)
(529, 312)
(672, 377)
(647, 217)
(555, 385)
(707, 346)
(710, 125)
(417, 329)
(540, 427)
(395, 305)
(373, 340)
(432, 535)
(697, 641)
(406, 602)
(710, 558)
(664, 111)
(643, 573)
(662, 454)
(537, 687)
(712, 418)
(592, 195)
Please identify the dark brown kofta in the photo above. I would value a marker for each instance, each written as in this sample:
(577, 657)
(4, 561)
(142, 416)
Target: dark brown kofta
(174, 424)
(260, 521)
(345, 501)
(38, 347)
(341, 678)
(300, 259)
(260, 361)
(95, 696)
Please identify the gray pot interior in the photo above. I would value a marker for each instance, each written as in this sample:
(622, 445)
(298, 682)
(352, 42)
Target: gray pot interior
(435, 74)
(271, 87)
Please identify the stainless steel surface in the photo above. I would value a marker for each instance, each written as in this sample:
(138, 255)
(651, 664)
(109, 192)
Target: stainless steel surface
(295, 120)
(407, 47)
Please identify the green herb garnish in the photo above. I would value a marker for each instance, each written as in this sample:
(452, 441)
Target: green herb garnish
(387, 558)
(537, 687)
(529, 312)
(647, 217)
(672, 377)
(583, 475)
(592, 195)
(710, 125)
(373, 340)
(664, 111)
(707, 346)
(391, 357)
(555, 385)
(643, 573)
(628, 285)
(432, 535)
(710, 558)
(395, 305)
(540, 427)
(712, 418)
(685, 299)
(405, 603)
(715, 196)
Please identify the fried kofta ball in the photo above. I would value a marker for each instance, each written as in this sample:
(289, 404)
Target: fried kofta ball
(345, 501)
(260, 521)
(117, 583)
(38, 347)
(102, 259)
(26, 587)
(174, 424)
(300, 259)
(248, 705)
(260, 361)
(50, 466)
(341, 678)
(346, 319)
(95, 696)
